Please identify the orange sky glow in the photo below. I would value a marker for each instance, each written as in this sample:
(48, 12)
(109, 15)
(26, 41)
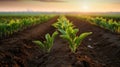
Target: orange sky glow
(61, 5)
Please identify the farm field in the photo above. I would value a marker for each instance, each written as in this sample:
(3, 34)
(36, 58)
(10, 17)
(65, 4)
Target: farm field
(99, 49)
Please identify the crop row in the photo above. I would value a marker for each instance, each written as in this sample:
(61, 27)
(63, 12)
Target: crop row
(109, 24)
(67, 31)
(108, 17)
(10, 25)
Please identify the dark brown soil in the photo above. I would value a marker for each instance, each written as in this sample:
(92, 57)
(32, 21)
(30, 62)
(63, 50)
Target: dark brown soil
(102, 46)
(101, 49)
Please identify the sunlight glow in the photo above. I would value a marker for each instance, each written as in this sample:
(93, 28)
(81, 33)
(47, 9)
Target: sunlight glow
(60, 5)
(85, 8)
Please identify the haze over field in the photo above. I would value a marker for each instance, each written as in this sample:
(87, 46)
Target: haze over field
(60, 5)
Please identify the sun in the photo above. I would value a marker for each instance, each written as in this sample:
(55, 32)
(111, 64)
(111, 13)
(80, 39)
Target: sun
(85, 8)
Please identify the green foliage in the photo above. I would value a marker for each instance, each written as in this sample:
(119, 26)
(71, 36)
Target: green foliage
(62, 23)
(47, 45)
(11, 24)
(107, 22)
(68, 32)
(73, 40)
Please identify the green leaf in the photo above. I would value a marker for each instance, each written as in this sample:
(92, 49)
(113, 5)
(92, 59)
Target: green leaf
(62, 31)
(81, 38)
(65, 37)
(39, 43)
(54, 34)
(75, 31)
(48, 38)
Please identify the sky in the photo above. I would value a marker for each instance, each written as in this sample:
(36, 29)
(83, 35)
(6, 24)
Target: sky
(60, 5)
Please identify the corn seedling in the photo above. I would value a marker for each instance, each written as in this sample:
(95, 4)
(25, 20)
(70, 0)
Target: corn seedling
(73, 40)
(47, 45)
(68, 32)
(62, 23)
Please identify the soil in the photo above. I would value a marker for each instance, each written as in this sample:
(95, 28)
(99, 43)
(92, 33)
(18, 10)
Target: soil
(101, 49)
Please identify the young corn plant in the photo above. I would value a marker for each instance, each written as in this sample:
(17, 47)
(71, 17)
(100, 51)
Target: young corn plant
(73, 40)
(62, 23)
(68, 32)
(47, 45)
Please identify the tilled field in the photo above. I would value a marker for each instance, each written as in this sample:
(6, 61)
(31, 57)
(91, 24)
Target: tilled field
(101, 49)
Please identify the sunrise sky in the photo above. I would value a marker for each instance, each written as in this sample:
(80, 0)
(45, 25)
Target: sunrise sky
(61, 5)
